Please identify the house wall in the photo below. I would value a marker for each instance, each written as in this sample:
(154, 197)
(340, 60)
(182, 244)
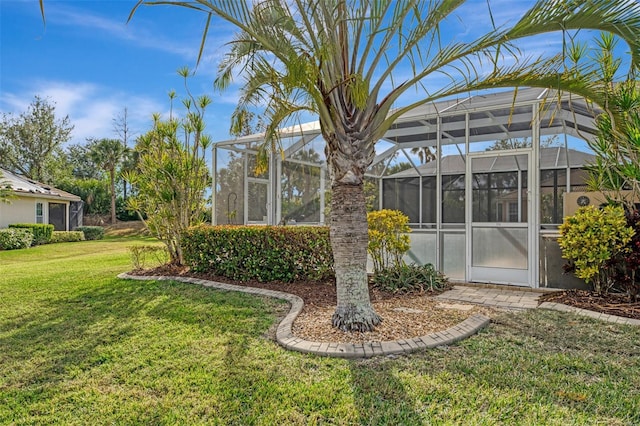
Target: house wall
(20, 210)
(23, 210)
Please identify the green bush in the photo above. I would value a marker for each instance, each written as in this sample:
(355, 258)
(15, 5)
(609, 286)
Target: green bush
(591, 238)
(264, 253)
(388, 239)
(92, 232)
(41, 231)
(410, 278)
(66, 236)
(15, 238)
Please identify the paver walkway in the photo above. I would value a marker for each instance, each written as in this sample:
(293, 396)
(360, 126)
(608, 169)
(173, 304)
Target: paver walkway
(497, 298)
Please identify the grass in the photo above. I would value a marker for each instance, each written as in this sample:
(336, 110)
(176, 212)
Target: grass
(78, 346)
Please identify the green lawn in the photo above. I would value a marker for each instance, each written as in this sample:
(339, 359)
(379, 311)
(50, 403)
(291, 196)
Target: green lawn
(78, 346)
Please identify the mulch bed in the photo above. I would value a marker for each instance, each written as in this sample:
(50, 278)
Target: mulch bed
(313, 293)
(613, 304)
(405, 316)
(323, 294)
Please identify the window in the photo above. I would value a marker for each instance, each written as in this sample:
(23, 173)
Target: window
(453, 199)
(39, 214)
(429, 193)
(496, 195)
(553, 183)
(513, 212)
(402, 194)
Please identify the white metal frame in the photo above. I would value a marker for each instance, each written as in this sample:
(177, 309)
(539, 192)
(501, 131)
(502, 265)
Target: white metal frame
(497, 275)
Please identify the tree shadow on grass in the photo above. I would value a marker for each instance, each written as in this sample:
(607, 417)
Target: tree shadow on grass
(79, 332)
(380, 396)
(528, 368)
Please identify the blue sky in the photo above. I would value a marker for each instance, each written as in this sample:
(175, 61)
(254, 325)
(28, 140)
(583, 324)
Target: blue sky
(93, 64)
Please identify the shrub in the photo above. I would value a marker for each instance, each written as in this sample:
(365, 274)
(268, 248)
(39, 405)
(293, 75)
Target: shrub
(591, 239)
(388, 239)
(141, 256)
(66, 236)
(626, 265)
(41, 231)
(15, 238)
(264, 253)
(92, 232)
(410, 278)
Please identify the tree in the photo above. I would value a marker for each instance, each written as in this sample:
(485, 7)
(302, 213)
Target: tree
(29, 142)
(78, 157)
(108, 154)
(425, 153)
(338, 58)
(617, 143)
(172, 174)
(124, 132)
(517, 143)
(5, 190)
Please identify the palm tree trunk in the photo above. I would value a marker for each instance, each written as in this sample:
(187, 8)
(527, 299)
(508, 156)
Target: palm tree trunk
(349, 237)
(112, 176)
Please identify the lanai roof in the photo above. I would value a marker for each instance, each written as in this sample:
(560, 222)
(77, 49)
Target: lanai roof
(495, 116)
(550, 158)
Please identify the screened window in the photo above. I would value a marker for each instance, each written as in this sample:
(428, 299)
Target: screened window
(513, 212)
(453, 198)
(553, 183)
(494, 192)
(39, 213)
(429, 199)
(402, 194)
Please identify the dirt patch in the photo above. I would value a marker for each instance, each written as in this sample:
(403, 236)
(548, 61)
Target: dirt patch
(126, 229)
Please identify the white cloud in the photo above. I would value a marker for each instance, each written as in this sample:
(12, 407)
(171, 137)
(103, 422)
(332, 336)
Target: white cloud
(91, 108)
(143, 33)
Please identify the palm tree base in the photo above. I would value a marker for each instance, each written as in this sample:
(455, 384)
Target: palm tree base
(355, 318)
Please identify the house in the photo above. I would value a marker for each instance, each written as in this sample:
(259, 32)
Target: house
(34, 202)
(480, 177)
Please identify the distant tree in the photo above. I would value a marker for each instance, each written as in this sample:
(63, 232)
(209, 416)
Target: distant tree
(28, 142)
(82, 166)
(94, 193)
(107, 154)
(425, 153)
(122, 128)
(517, 143)
(5, 190)
(172, 175)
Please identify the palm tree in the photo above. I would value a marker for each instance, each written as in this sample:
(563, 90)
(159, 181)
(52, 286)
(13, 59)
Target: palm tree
(340, 59)
(108, 154)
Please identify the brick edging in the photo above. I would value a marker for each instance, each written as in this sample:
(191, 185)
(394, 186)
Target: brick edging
(286, 339)
(553, 306)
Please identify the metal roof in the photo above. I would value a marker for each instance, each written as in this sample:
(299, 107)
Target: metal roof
(492, 116)
(24, 186)
(550, 158)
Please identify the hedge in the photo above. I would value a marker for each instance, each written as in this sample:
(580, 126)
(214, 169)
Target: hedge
(41, 231)
(66, 236)
(263, 253)
(92, 232)
(15, 238)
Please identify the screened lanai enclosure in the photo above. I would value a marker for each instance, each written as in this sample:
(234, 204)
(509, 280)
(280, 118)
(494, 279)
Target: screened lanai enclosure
(481, 179)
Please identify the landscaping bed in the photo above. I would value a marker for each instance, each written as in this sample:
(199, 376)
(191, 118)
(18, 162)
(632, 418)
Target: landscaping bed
(404, 316)
(612, 303)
